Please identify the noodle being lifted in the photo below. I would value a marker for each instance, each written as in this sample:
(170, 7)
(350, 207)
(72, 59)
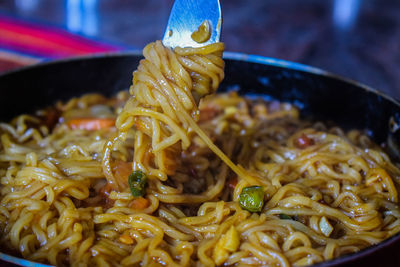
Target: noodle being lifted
(166, 91)
(301, 192)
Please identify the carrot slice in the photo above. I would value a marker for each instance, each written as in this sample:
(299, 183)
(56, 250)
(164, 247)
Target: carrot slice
(91, 124)
(122, 170)
(139, 203)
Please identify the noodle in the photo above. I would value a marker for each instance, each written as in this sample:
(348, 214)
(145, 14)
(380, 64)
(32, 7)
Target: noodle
(166, 90)
(65, 193)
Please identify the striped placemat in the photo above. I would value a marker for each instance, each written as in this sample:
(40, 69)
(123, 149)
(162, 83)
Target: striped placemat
(24, 42)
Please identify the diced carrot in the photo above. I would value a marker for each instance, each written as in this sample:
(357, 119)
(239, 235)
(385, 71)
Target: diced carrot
(303, 141)
(91, 124)
(106, 189)
(232, 183)
(139, 203)
(122, 170)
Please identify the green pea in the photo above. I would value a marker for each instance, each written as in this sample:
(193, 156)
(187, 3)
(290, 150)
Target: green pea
(252, 198)
(137, 183)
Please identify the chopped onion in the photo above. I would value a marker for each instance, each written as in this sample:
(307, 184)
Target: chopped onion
(325, 227)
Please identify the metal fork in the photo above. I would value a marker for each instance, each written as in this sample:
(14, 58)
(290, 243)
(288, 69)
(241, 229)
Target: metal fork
(185, 18)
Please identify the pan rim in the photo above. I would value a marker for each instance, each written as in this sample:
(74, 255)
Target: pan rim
(238, 56)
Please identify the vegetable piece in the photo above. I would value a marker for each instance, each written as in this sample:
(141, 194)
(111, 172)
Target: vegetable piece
(325, 227)
(91, 124)
(122, 170)
(139, 203)
(220, 255)
(105, 190)
(252, 198)
(304, 141)
(227, 243)
(137, 183)
(231, 239)
(285, 217)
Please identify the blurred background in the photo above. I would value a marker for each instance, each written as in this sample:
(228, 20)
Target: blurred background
(358, 39)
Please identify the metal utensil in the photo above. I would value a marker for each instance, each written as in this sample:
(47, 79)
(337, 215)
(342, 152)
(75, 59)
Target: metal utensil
(185, 18)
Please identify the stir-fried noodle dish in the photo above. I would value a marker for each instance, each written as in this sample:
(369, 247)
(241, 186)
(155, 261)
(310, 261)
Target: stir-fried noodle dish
(171, 173)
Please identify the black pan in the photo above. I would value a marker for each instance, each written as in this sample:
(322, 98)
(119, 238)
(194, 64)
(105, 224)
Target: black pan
(321, 95)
